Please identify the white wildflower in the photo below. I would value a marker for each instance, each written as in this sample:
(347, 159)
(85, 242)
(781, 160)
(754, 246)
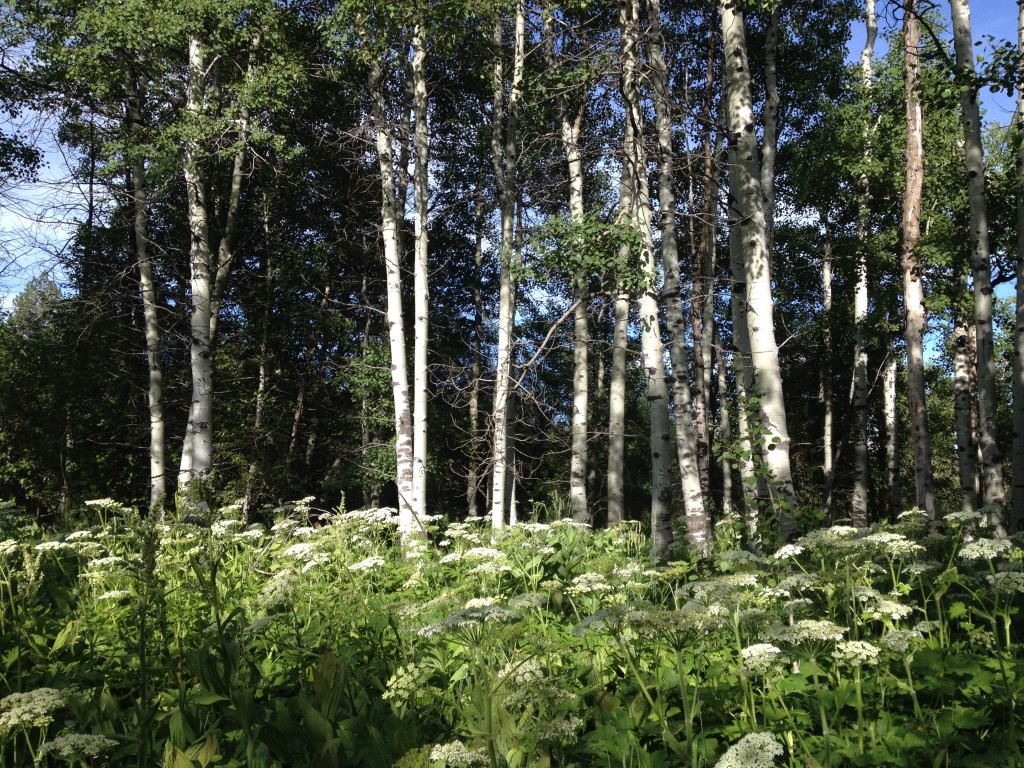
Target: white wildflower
(8, 546)
(755, 750)
(368, 564)
(278, 591)
(528, 600)
(451, 557)
(806, 631)
(959, 519)
(34, 708)
(254, 532)
(403, 684)
(224, 527)
(78, 536)
(481, 553)
(490, 568)
(788, 550)
(284, 526)
(894, 544)
(455, 754)
(76, 747)
(883, 608)
(52, 546)
(303, 531)
(470, 617)
(301, 551)
(588, 583)
(522, 673)
(479, 602)
(761, 658)
(985, 549)
(912, 515)
(856, 653)
(562, 730)
(901, 641)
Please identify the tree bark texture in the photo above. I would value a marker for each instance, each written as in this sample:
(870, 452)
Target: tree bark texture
(1017, 512)
(913, 288)
(748, 218)
(421, 322)
(993, 492)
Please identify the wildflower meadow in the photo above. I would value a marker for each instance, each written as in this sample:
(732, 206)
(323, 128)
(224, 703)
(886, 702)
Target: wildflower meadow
(316, 641)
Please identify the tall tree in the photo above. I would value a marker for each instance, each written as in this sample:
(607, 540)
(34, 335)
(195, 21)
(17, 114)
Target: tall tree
(913, 287)
(993, 492)
(1017, 521)
(747, 222)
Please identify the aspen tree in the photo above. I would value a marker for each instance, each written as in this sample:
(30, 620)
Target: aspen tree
(993, 493)
(913, 288)
(750, 230)
(1017, 520)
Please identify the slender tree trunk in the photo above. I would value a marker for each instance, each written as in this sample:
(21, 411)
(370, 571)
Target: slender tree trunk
(473, 477)
(993, 492)
(747, 203)
(698, 525)
(395, 320)
(421, 285)
(506, 157)
(150, 309)
(744, 375)
(1017, 520)
(725, 428)
(197, 451)
(892, 437)
(913, 289)
(770, 140)
(827, 400)
(966, 447)
(861, 460)
(371, 485)
(578, 465)
(617, 394)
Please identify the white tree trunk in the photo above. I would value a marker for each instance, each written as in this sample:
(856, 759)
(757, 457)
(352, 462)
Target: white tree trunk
(506, 171)
(617, 398)
(826, 368)
(913, 289)
(749, 218)
(861, 463)
(698, 527)
(892, 436)
(966, 447)
(421, 284)
(148, 291)
(993, 492)
(395, 320)
(197, 451)
(770, 140)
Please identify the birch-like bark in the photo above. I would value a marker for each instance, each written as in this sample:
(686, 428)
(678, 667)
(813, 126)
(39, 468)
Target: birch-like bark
(150, 313)
(617, 391)
(1017, 512)
(578, 465)
(698, 525)
(770, 140)
(725, 427)
(913, 288)
(750, 481)
(748, 218)
(966, 447)
(421, 285)
(473, 477)
(993, 492)
(395, 320)
(208, 272)
(505, 153)
(892, 437)
(861, 460)
(827, 403)
(197, 451)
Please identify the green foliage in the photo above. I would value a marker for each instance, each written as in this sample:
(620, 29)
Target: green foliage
(555, 645)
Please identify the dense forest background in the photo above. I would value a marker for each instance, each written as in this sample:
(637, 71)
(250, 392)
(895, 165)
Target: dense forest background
(529, 260)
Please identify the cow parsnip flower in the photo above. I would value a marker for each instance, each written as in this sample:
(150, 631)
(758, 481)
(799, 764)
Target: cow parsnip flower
(985, 549)
(902, 641)
(856, 653)
(368, 564)
(32, 709)
(455, 754)
(73, 747)
(1007, 582)
(755, 750)
(762, 659)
